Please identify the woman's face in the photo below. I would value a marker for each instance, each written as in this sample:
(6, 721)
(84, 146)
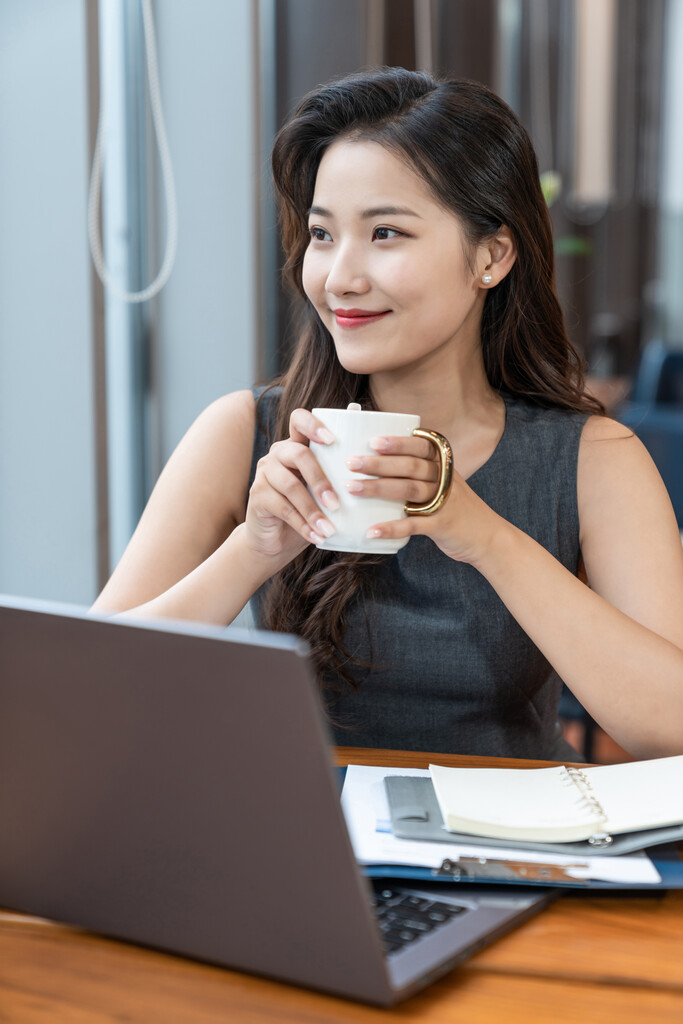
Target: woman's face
(386, 267)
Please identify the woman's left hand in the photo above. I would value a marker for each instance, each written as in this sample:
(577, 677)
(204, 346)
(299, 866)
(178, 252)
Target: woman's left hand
(407, 469)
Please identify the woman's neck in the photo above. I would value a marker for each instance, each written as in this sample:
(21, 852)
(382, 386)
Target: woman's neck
(453, 399)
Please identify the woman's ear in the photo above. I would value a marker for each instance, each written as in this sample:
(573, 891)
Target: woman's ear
(496, 257)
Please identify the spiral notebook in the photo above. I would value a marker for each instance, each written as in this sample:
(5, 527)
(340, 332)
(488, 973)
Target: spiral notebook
(608, 809)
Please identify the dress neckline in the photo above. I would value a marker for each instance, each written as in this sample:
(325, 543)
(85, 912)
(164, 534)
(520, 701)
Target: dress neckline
(500, 446)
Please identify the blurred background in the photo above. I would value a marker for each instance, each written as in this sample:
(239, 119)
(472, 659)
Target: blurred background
(96, 390)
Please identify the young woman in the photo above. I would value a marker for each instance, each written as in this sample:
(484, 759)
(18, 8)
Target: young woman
(420, 244)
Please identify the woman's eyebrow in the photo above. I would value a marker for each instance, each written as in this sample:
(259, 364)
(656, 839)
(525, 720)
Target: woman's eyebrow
(375, 211)
(389, 211)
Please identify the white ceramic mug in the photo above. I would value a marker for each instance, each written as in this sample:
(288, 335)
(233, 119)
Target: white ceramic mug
(353, 429)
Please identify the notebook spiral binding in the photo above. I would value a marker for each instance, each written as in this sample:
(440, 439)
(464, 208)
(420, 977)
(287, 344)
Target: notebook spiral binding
(578, 778)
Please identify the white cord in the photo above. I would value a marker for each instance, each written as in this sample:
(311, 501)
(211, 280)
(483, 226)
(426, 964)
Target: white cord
(166, 173)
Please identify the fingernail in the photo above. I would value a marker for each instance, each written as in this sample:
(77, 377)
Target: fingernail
(380, 444)
(325, 436)
(325, 527)
(354, 462)
(373, 532)
(316, 538)
(330, 500)
(354, 486)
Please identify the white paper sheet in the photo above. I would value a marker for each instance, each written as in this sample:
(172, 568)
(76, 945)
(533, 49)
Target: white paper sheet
(366, 810)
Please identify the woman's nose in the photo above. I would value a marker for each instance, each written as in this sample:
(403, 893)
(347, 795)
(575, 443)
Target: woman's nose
(346, 274)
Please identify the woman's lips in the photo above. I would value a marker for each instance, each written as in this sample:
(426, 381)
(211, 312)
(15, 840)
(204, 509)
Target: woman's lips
(358, 317)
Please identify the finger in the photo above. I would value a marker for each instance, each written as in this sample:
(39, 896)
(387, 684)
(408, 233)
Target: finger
(269, 505)
(418, 447)
(305, 427)
(300, 459)
(404, 467)
(289, 515)
(415, 491)
(291, 501)
(397, 529)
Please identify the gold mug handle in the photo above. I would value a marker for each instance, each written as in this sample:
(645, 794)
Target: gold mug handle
(445, 474)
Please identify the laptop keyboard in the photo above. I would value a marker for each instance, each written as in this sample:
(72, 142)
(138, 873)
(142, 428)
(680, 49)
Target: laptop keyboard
(403, 918)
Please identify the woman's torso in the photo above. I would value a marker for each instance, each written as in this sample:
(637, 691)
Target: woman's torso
(451, 669)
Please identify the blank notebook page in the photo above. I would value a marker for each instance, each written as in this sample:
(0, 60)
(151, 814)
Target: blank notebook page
(511, 797)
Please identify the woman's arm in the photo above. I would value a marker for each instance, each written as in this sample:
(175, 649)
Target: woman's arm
(199, 499)
(205, 543)
(618, 645)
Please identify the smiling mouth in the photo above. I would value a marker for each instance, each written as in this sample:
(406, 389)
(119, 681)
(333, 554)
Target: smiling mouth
(358, 317)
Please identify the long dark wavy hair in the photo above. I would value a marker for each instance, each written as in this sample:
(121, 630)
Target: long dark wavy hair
(477, 159)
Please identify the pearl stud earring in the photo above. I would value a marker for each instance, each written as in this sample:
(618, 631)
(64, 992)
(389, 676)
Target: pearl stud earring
(487, 278)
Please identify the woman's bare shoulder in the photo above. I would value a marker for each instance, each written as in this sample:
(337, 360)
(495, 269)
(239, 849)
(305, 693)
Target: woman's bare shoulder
(615, 467)
(215, 454)
(602, 428)
(629, 537)
(227, 415)
(612, 459)
(224, 426)
(199, 498)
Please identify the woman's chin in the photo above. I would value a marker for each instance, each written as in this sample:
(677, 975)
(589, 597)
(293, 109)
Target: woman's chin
(363, 361)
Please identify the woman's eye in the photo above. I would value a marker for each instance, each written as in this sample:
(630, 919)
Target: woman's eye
(382, 234)
(320, 235)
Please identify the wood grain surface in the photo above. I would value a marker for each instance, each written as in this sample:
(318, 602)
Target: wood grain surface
(585, 959)
(422, 759)
(50, 974)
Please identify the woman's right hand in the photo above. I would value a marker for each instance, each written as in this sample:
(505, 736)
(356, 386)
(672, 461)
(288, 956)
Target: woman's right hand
(282, 516)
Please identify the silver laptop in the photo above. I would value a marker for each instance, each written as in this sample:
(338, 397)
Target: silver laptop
(171, 785)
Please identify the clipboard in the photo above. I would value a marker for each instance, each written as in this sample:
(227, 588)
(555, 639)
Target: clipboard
(667, 859)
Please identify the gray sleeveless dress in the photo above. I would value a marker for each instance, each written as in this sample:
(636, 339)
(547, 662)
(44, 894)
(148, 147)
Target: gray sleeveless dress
(452, 671)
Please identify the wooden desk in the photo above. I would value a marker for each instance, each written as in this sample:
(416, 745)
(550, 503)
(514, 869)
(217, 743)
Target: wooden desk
(585, 959)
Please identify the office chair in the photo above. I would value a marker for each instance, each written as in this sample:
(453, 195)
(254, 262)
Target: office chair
(655, 415)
